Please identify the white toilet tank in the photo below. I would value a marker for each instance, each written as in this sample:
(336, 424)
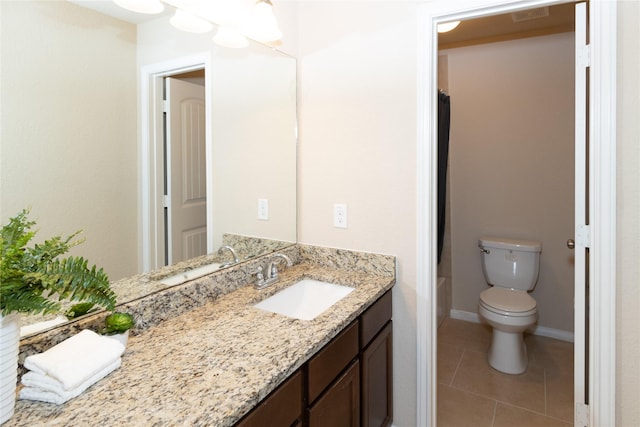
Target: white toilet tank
(508, 263)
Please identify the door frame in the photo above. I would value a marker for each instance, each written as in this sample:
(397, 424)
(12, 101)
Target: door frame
(602, 131)
(151, 171)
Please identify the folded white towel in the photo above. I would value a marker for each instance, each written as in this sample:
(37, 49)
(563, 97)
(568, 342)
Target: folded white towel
(77, 359)
(45, 389)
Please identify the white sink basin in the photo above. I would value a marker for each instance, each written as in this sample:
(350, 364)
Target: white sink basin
(185, 276)
(305, 300)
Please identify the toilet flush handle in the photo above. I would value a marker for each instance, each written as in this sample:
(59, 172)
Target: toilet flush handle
(571, 243)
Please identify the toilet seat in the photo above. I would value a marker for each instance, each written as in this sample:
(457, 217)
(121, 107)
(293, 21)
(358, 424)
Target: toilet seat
(508, 302)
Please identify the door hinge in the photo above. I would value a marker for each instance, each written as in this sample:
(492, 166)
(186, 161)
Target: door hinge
(166, 201)
(583, 236)
(584, 55)
(165, 106)
(582, 414)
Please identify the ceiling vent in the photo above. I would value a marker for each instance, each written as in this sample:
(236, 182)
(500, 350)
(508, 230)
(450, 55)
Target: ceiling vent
(527, 15)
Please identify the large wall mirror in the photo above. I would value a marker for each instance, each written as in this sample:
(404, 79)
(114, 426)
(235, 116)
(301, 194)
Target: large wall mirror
(81, 140)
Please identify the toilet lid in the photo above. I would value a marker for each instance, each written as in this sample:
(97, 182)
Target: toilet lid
(510, 300)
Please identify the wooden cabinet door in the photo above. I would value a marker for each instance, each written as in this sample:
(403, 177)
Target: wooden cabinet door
(339, 406)
(377, 380)
(324, 367)
(282, 408)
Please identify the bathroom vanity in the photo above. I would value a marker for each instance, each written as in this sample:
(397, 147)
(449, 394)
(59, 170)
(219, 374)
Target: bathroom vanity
(202, 354)
(347, 383)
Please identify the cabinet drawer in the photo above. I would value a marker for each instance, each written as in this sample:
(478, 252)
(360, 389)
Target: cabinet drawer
(375, 318)
(340, 405)
(281, 408)
(325, 366)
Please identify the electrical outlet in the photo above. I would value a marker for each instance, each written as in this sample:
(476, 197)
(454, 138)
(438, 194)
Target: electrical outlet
(263, 209)
(340, 215)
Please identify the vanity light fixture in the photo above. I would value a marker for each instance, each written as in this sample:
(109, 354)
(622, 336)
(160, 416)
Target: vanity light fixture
(189, 22)
(262, 24)
(447, 26)
(141, 6)
(230, 38)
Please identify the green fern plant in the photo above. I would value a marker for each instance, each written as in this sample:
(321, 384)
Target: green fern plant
(34, 279)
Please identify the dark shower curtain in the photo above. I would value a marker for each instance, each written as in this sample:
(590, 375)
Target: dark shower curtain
(444, 120)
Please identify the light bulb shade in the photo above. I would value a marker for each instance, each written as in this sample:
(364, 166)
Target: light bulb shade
(262, 24)
(230, 38)
(189, 22)
(141, 6)
(447, 26)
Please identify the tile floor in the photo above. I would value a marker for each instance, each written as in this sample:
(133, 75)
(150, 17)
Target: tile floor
(471, 393)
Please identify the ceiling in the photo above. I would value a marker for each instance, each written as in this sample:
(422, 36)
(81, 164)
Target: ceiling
(108, 7)
(470, 32)
(216, 11)
(559, 19)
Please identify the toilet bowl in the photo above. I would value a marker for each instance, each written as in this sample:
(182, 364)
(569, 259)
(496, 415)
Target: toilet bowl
(508, 352)
(511, 268)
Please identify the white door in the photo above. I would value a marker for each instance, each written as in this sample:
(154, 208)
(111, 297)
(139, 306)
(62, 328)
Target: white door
(581, 242)
(186, 217)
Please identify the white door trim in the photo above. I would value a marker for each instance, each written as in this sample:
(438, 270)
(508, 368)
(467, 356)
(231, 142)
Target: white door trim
(581, 210)
(602, 196)
(151, 154)
(602, 130)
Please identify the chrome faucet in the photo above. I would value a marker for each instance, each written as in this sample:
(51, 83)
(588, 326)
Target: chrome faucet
(272, 271)
(233, 253)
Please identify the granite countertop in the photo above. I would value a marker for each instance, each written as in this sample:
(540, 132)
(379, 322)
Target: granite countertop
(212, 364)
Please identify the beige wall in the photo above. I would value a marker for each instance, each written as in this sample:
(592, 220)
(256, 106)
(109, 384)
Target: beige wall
(358, 146)
(628, 235)
(257, 159)
(512, 165)
(68, 137)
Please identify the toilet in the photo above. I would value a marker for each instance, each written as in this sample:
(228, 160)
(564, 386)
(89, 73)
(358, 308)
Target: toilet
(511, 268)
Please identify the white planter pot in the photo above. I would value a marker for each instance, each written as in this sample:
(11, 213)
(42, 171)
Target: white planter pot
(122, 338)
(9, 346)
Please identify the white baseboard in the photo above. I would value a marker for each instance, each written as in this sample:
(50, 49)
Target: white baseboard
(542, 331)
(467, 316)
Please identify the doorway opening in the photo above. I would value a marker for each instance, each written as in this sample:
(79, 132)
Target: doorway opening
(510, 80)
(601, 238)
(155, 218)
